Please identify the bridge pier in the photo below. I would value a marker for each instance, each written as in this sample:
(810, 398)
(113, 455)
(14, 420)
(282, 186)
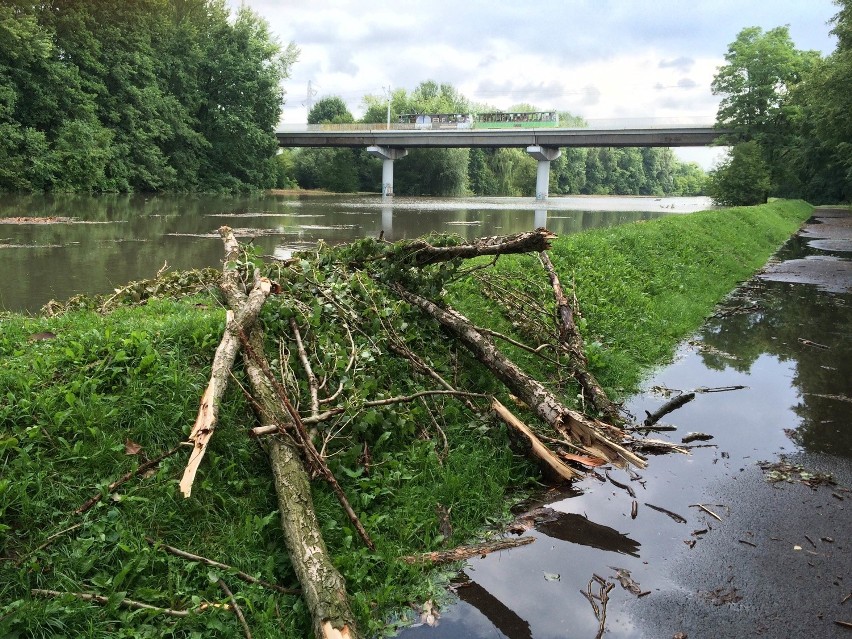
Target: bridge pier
(544, 155)
(387, 154)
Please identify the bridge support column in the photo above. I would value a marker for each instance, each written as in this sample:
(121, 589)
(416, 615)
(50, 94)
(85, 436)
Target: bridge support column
(544, 155)
(387, 154)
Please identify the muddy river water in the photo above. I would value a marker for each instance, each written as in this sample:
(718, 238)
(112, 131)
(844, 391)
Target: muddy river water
(53, 247)
(772, 553)
(756, 537)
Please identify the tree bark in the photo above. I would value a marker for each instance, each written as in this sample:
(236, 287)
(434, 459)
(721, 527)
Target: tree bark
(466, 552)
(323, 587)
(578, 428)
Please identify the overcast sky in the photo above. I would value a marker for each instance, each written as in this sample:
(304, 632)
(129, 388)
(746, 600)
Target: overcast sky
(600, 59)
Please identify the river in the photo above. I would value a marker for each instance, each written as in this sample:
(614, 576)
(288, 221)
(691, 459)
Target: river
(53, 247)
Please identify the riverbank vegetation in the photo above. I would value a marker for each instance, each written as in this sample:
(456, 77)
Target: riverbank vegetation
(94, 389)
(790, 116)
(108, 96)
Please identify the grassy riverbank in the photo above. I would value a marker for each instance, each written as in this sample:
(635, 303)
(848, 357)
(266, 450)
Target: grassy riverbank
(75, 406)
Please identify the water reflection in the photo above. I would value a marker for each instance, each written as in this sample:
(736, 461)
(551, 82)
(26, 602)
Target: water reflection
(578, 529)
(118, 238)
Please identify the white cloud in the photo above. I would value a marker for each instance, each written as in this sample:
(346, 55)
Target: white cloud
(596, 58)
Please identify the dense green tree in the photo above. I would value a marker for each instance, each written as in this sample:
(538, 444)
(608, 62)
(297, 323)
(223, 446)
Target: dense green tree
(568, 172)
(742, 178)
(441, 172)
(106, 95)
(762, 69)
(481, 178)
(689, 180)
(823, 154)
(331, 110)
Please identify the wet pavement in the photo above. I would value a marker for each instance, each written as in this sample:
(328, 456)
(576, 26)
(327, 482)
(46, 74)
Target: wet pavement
(753, 538)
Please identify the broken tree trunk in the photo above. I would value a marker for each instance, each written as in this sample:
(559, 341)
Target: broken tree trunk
(419, 253)
(572, 342)
(587, 433)
(323, 587)
(226, 353)
(551, 462)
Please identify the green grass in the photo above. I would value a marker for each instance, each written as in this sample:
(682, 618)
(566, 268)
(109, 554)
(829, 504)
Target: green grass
(643, 287)
(69, 405)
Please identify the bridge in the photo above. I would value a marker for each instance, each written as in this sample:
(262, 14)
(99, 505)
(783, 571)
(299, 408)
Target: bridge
(543, 144)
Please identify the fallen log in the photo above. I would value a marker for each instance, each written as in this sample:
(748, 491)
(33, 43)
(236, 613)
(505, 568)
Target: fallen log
(323, 587)
(419, 253)
(578, 428)
(572, 342)
(466, 552)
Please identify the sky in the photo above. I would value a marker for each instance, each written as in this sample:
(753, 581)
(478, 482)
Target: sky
(601, 59)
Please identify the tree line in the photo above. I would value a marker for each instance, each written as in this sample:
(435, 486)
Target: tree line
(180, 96)
(149, 95)
(496, 172)
(790, 116)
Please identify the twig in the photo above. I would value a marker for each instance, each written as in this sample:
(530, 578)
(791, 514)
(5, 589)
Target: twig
(536, 351)
(747, 543)
(125, 478)
(626, 487)
(313, 385)
(674, 516)
(49, 541)
(844, 624)
(237, 610)
(719, 389)
(604, 588)
(706, 510)
(128, 603)
(177, 552)
(466, 552)
(808, 342)
(673, 404)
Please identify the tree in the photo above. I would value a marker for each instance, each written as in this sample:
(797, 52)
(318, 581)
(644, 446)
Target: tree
(330, 110)
(480, 175)
(441, 172)
(824, 149)
(761, 70)
(742, 178)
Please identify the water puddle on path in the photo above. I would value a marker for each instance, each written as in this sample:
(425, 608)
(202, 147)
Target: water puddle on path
(752, 540)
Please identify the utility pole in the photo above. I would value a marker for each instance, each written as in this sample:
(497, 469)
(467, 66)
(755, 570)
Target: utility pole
(309, 102)
(388, 89)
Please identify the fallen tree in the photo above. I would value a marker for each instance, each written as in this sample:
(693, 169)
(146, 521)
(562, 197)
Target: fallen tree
(296, 454)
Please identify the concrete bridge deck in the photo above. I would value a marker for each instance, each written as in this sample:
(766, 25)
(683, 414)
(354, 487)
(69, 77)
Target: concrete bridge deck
(493, 138)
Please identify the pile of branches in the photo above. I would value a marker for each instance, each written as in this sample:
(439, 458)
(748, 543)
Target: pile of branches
(310, 331)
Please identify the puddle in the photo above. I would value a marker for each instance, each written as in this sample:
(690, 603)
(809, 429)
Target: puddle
(759, 544)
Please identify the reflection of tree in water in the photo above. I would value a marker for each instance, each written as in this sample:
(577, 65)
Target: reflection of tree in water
(785, 315)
